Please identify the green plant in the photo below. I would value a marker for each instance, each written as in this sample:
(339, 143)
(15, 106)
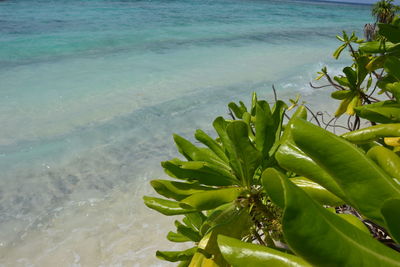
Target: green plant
(294, 194)
(223, 180)
(384, 11)
(375, 66)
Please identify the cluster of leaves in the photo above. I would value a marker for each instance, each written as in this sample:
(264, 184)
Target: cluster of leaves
(376, 66)
(274, 192)
(384, 11)
(221, 184)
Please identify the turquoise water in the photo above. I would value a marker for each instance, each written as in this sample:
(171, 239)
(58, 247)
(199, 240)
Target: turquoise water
(91, 92)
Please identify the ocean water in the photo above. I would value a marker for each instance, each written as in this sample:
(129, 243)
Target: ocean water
(92, 90)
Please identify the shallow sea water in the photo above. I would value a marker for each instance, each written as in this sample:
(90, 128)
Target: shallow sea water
(91, 92)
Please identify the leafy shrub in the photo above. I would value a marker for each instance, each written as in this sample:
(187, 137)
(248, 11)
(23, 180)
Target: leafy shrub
(265, 193)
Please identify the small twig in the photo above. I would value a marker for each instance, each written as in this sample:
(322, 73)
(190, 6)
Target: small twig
(259, 239)
(318, 87)
(375, 99)
(388, 95)
(340, 126)
(334, 126)
(356, 123)
(231, 114)
(329, 122)
(352, 51)
(315, 117)
(275, 96)
(365, 98)
(268, 239)
(286, 115)
(349, 124)
(378, 76)
(337, 86)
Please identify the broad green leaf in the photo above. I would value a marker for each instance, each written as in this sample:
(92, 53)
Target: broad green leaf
(387, 160)
(177, 190)
(345, 36)
(355, 102)
(317, 192)
(253, 103)
(220, 125)
(242, 106)
(394, 88)
(320, 75)
(200, 260)
(211, 199)
(390, 32)
(381, 83)
(237, 224)
(376, 63)
(177, 237)
(323, 238)
(301, 112)
(396, 21)
(213, 158)
(188, 223)
(392, 141)
(293, 159)
(273, 185)
(367, 146)
(338, 51)
(247, 120)
(220, 216)
(191, 152)
(166, 207)
(208, 167)
(237, 110)
(354, 221)
(265, 135)
(353, 37)
(239, 253)
(369, 82)
(203, 172)
(351, 77)
(244, 157)
(377, 47)
(392, 66)
(185, 263)
(187, 149)
(364, 183)
(340, 95)
(212, 144)
(344, 104)
(187, 232)
(175, 256)
(195, 220)
(373, 47)
(391, 212)
(342, 81)
(382, 112)
(268, 129)
(350, 218)
(392, 48)
(361, 69)
(278, 111)
(339, 38)
(373, 133)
